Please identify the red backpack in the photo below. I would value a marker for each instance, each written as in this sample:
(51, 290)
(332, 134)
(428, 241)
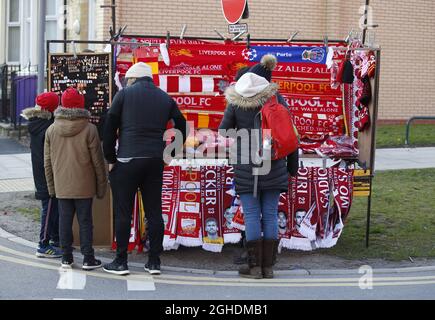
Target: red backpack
(278, 130)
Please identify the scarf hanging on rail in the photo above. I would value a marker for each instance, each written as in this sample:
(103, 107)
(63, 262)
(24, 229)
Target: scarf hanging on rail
(339, 206)
(189, 213)
(170, 204)
(212, 192)
(320, 104)
(301, 205)
(284, 217)
(189, 84)
(318, 124)
(321, 191)
(307, 88)
(206, 53)
(231, 234)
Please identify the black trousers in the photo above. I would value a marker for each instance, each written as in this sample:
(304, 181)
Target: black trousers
(125, 179)
(67, 209)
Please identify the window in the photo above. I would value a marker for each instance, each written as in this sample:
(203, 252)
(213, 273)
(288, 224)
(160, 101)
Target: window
(51, 17)
(13, 31)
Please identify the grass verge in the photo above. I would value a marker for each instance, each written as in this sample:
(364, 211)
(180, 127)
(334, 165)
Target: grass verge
(393, 136)
(402, 219)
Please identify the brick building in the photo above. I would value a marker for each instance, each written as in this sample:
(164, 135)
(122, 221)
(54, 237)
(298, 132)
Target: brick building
(405, 34)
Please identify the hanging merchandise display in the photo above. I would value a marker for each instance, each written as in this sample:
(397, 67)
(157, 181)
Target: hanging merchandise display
(327, 89)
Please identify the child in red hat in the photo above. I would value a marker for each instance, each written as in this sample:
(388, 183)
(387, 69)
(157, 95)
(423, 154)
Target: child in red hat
(75, 172)
(40, 118)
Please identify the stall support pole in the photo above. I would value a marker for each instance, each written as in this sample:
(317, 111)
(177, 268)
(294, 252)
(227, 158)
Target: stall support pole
(373, 143)
(41, 48)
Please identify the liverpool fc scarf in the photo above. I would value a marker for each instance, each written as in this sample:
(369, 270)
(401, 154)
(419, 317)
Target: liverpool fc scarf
(189, 84)
(307, 88)
(212, 185)
(231, 234)
(189, 214)
(284, 217)
(170, 204)
(300, 207)
(321, 189)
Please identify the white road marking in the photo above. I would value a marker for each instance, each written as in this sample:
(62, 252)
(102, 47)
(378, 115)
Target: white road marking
(140, 285)
(71, 280)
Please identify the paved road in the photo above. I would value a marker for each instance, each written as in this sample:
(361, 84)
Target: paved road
(23, 276)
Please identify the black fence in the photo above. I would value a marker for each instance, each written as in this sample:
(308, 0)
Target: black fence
(7, 73)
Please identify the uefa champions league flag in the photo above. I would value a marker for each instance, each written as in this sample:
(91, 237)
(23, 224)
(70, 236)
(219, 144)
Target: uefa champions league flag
(288, 54)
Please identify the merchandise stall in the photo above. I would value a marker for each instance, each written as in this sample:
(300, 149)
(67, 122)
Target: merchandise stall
(331, 89)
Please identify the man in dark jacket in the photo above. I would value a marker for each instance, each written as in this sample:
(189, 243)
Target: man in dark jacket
(138, 118)
(40, 118)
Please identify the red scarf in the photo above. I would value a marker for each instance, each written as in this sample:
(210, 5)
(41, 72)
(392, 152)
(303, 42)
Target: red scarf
(206, 53)
(320, 178)
(231, 234)
(188, 84)
(170, 204)
(189, 214)
(309, 104)
(284, 217)
(300, 207)
(307, 88)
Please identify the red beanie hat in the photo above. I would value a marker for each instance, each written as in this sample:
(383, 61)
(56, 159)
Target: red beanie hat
(72, 99)
(47, 101)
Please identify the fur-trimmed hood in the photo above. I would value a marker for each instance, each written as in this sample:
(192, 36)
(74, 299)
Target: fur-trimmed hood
(30, 113)
(253, 102)
(71, 114)
(70, 122)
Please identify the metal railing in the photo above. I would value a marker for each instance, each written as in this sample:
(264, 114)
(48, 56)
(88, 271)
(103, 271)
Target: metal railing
(6, 74)
(408, 124)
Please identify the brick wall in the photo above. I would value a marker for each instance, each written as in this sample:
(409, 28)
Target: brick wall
(405, 35)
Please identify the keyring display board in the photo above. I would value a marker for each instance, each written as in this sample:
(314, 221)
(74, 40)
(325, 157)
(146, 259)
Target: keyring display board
(90, 73)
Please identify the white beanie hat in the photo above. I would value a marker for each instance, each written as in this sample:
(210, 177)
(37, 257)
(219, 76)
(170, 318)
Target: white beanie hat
(139, 70)
(250, 84)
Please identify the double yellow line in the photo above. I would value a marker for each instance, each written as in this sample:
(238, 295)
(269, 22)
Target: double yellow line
(300, 282)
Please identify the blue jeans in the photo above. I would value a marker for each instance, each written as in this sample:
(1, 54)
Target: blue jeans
(49, 222)
(261, 214)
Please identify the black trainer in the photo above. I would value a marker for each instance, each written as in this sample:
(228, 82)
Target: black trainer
(67, 261)
(90, 263)
(153, 267)
(117, 267)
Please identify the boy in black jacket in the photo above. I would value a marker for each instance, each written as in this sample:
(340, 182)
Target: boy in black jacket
(40, 118)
